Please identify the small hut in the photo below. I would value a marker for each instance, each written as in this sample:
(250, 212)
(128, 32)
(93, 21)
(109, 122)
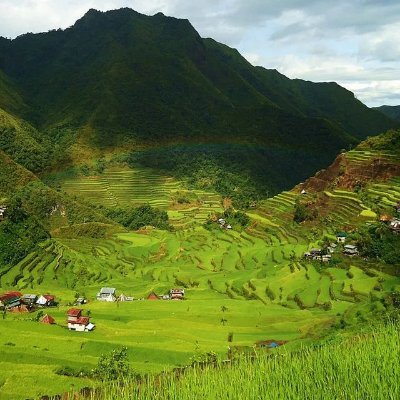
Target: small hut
(48, 319)
(152, 296)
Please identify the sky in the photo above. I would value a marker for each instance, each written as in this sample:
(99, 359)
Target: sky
(353, 42)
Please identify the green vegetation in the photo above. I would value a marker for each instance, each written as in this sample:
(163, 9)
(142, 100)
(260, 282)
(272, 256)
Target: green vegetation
(363, 366)
(122, 147)
(244, 132)
(378, 241)
(242, 285)
(139, 217)
(19, 235)
(390, 111)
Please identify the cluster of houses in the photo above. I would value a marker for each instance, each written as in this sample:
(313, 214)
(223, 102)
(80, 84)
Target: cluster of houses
(223, 224)
(108, 294)
(173, 294)
(18, 302)
(319, 255)
(393, 223)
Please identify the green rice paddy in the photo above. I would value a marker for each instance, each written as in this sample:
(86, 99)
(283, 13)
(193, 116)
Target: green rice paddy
(252, 283)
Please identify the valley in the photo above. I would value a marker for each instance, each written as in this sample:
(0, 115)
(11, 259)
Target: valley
(237, 281)
(138, 156)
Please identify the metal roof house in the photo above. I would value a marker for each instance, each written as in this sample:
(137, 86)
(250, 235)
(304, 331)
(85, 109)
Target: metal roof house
(350, 250)
(106, 294)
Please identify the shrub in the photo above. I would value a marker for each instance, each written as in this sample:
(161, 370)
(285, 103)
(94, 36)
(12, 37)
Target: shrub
(113, 366)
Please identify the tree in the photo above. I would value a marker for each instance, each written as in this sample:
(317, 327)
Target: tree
(113, 366)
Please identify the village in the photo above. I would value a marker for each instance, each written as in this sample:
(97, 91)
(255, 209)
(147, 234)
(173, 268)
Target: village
(325, 255)
(351, 250)
(17, 302)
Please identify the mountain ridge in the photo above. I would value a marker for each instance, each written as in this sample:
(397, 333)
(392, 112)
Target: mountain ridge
(133, 80)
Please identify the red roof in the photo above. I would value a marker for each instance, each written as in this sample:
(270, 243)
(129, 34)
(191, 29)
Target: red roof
(48, 319)
(152, 296)
(74, 312)
(82, 320)
(49, 297)
(10, 295)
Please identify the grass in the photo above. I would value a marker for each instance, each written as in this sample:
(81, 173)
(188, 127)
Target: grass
(159, 335)
(360, 367)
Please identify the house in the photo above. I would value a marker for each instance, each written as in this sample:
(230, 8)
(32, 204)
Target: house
(47, 300)
(270, 344)
(177, 294)
(341, 237)
(3, 210)
(153, 296)
(73, 314)
(77, 322)
(29, 299)
(48, 319)
(350, 250)
(332, 248)
(303, 192)
(80, 300)
(315, 253)
(229, 227)
(326, 257)
(395, 225)
(122, 297)
(10, 300)
(106, 294)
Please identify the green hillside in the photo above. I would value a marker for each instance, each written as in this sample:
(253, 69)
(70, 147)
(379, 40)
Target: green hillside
(390, 111)
(237, 281)
(135, 154)
(122, 81)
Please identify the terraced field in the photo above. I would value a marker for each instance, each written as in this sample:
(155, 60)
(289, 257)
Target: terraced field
(251, 283)
(359, 157)
(128, 187)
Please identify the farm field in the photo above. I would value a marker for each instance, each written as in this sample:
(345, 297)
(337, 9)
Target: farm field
(159, 335)
(252, 283)
(134, 187)
(232, 283)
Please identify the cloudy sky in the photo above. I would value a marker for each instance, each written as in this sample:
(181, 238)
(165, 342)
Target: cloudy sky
(353, 42)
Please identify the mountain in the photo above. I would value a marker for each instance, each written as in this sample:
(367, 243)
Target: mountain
(390, 111)
(122, 80)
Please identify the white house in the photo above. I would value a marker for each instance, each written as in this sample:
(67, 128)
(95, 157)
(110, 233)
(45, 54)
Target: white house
(350, 250)
(341, 237)
(107, 294)
(76, 322)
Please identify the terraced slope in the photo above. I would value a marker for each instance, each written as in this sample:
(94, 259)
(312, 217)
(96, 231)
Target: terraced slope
(134, 187)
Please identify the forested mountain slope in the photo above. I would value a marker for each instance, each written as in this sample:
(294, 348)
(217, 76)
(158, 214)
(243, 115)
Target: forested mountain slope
(122, 79)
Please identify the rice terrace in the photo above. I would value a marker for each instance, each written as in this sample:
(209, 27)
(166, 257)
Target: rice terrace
(235, 234)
